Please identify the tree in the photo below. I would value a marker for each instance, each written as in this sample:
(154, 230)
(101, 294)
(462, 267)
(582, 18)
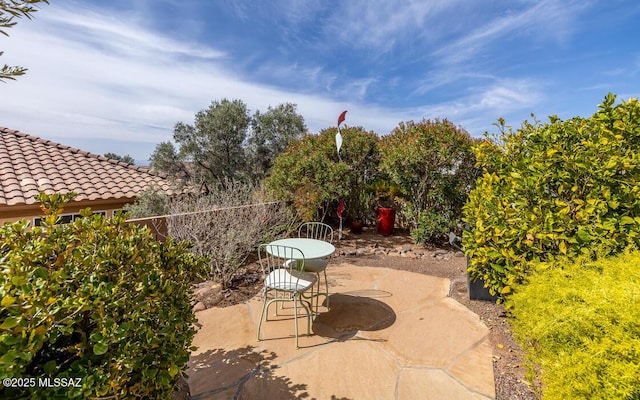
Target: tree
(210, 151)
(165, 159)
(220, 146)
(126, 158)
(150, 202)
(272, 132)
(9, 11)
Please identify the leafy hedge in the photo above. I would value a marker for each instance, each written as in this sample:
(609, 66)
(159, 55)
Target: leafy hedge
(580, 326)
(553, 191)
(311, 174)
(97, 299)
(433, 165)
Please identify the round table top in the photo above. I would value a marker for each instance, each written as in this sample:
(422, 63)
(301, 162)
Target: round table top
(311, 248)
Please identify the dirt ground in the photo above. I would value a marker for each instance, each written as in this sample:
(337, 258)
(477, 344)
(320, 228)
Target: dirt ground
(508, 360)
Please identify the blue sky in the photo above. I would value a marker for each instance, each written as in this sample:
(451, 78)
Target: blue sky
(116, 76)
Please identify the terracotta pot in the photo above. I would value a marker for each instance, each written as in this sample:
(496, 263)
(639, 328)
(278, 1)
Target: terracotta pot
(356, 226)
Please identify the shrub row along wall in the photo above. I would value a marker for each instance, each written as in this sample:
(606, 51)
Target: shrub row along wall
(97, 299)
(160, 228)
(228, 236)
(225, 225)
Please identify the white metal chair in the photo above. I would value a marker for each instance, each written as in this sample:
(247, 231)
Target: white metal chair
(282, 268)
(320, 231)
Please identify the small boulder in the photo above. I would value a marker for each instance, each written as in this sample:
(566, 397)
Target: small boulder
(199, 307)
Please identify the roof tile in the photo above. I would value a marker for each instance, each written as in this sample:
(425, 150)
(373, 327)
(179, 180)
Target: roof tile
(31, 164)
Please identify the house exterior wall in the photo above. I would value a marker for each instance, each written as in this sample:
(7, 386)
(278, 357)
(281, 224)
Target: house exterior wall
(32, 211)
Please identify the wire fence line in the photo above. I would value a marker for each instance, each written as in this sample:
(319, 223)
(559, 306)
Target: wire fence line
(159, 227)
(206, 211)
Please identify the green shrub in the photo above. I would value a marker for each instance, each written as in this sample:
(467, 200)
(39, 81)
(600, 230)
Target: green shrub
(311, 174)
(554, 190)
(151, 202)
(580, 326)
(432, 227)
(97, 299)
(432, 164)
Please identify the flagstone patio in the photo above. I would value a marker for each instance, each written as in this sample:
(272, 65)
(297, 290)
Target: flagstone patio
(389, 334)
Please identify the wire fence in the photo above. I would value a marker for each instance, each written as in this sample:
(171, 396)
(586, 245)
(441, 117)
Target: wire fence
(160, 228)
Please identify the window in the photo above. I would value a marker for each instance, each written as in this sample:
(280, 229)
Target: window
(67, 218)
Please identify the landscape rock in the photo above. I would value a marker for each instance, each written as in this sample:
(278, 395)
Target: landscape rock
(199, 307)
(204, 289)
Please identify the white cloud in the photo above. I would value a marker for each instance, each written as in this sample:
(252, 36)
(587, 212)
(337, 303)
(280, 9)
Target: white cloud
(124, 84)
(380, 23)
(110, 75)
(546, 19)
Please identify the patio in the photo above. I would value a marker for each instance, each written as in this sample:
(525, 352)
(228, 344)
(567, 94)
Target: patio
(390, 334)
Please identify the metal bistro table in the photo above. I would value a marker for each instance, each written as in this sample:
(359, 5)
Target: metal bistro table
(310, 248)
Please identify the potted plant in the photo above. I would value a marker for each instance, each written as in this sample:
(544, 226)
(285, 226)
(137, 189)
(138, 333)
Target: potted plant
(475, 287)
(360, 209)
(386, 193)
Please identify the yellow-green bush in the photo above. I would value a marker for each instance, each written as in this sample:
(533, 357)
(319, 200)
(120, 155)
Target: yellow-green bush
(555, 190)
(580, 326)
(99, 300)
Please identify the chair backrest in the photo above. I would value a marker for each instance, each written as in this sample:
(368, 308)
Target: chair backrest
(286, 261)
(316, 230)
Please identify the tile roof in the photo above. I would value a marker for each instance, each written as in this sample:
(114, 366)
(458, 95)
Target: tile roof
(29, 164)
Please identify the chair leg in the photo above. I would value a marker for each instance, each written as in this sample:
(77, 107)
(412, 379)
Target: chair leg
(309, 314)
(281, 304)
(295, 318)
(264, 314)
(318, 295)
(308, 311)
(264, 308)
(326, 286)
(313, 295)
(326, 293)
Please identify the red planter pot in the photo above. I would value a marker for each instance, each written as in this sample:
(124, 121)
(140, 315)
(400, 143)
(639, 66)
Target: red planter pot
(356, 226)
(386, 220)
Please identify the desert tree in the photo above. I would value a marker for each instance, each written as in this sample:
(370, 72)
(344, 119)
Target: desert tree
(211, 150)
(126, 158)
(226, 144)
(271, 133)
